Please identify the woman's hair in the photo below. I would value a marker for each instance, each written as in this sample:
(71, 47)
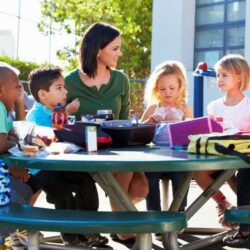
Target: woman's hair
(42, 78)
(235, 64)
(166, 68)
(97, 37)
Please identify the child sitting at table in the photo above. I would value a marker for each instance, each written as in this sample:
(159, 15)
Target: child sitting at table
(9, 91)
(66, 190)
(165, 97)
(232, 73)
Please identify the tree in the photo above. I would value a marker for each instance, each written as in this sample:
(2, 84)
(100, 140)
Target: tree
(132, 17)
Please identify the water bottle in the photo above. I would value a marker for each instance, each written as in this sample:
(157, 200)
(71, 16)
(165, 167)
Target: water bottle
(133, 118)
(59, 116)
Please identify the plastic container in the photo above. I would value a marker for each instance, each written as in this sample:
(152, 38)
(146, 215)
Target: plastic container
(124, 133)
(105, 114)
(59, 116)
(133, 118)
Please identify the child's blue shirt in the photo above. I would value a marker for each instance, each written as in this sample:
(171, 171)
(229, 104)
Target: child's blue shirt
(40, 115)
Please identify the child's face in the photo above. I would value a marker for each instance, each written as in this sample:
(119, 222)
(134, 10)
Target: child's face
(168, 88)
(56, 94)
(227, 81)
(10, 91)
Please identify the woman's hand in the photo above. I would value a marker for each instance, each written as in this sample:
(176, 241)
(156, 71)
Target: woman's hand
(73, 106)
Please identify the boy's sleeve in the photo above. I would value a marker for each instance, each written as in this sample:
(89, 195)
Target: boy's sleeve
(5, 124)
(40, 120)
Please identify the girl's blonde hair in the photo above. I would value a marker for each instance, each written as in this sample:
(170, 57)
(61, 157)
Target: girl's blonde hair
(166, 68)
(237, 65)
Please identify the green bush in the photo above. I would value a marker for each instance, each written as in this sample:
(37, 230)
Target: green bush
(22, 66)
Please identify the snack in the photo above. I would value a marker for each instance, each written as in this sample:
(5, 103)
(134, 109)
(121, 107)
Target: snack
(34, 140)
(38, 142)
(30, 150)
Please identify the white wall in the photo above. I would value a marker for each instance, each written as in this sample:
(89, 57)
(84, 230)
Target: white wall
(173, 31)
(7, 43)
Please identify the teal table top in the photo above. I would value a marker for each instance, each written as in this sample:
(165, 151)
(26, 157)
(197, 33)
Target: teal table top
(136, 159)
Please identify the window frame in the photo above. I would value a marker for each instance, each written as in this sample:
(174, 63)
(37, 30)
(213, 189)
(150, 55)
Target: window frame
(225, 26)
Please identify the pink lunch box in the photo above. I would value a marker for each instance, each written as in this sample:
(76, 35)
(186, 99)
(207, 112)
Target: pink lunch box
(179, 131)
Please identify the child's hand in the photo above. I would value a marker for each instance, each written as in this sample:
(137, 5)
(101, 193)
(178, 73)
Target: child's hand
(20, 97)
(12, 140)
(21, 174)
(156, 118)
(171, 117)
(73, 106)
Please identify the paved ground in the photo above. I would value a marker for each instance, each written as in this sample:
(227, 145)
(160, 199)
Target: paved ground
(206, 217)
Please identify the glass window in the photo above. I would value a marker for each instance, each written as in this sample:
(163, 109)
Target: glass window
(210, 57)
(208, 1)
(236, 11)
(220, 28)
(209, 38)
(235, 51)
(211, 14)
(235, 37)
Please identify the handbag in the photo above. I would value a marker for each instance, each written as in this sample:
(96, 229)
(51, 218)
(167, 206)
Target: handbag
(161, 135)
(215, 144)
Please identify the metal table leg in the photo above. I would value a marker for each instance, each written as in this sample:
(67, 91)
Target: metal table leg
(195, 206)
(199, 244)
(33, 240)
(207, 194)
(109, 184)
(169, 240)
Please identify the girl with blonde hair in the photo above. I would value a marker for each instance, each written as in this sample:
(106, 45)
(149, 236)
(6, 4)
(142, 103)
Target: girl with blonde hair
(165, 99)
(166, 94)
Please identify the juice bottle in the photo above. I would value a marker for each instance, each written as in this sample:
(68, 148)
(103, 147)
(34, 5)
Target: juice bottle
(59, 116)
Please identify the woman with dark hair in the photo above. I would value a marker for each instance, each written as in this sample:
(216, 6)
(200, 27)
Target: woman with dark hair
(98, 85)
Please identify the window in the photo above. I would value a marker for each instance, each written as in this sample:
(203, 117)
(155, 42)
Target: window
(220, 29)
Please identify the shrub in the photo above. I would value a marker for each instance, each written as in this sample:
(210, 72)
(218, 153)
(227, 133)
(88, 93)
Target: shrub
(24, 67)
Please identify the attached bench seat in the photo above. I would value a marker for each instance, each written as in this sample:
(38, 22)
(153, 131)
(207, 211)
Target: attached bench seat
(238, 215)
(73, 221)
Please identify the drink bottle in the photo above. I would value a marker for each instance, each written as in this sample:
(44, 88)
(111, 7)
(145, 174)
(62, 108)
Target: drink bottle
(59, 116)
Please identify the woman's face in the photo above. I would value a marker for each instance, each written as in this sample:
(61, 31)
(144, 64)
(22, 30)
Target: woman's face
(110, 54)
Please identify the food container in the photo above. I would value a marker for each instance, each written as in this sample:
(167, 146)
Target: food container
(75, 133)
(124, 133)
(105, 114)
